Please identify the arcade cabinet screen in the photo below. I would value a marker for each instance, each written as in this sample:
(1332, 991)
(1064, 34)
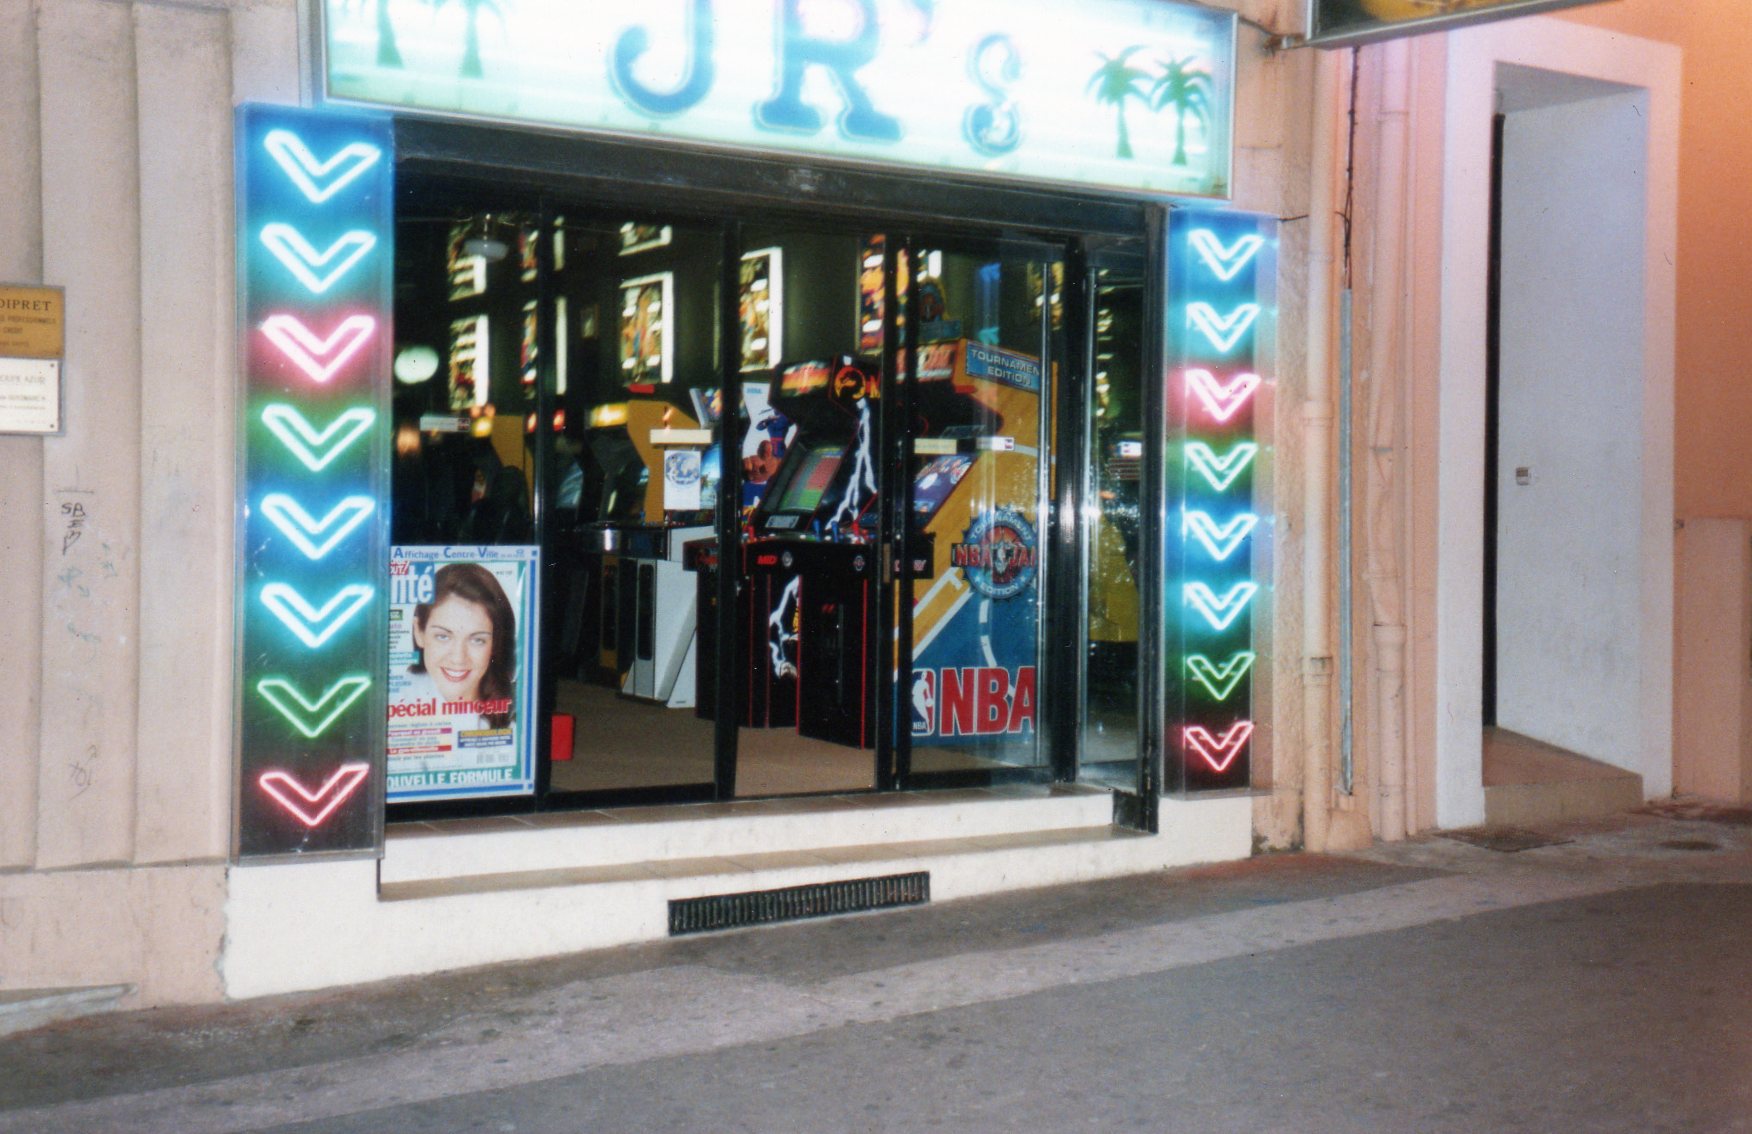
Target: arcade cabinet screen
(934, 484)
(813, 477)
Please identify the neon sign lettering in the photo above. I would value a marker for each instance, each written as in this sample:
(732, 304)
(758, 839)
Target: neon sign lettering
(1218, 751)
(1219, 612)
(1222, 400)
(343, 167)
(316, 538)
(994, 127)
(312, 718)
(303, 260)
(841, 59)
(292, 795)
(320, 359)
(697, 73)
(1220, 680)
(1225, 263)
(1222, 331)
(1220, 540)
(1016, 80)
(1220, 472)
(315, 625)
(316, 448)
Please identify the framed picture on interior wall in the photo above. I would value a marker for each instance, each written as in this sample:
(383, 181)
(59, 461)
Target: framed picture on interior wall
(528, 361)
(642, 237)
(762, 304)
(468, 274)
(644, 328)
(527, 235)
(469, 377)
(871, 260)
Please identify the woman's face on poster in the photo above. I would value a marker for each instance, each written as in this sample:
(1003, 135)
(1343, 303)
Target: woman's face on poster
(457, 643)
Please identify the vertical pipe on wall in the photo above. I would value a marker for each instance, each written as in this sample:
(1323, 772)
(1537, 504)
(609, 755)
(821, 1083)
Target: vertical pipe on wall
(1323, 827)
(1317, 461)
(1386, 567)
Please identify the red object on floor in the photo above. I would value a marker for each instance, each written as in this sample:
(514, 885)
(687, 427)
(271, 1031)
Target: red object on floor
(563, 725)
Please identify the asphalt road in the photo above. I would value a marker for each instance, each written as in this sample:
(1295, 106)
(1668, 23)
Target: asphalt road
(1600, 984)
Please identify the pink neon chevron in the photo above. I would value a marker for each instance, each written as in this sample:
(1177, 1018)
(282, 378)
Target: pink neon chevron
(293, 796)
(1219, 753)
(1222, 400)
(319, 358)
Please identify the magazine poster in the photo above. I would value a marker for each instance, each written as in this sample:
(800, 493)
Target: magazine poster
(462, 671)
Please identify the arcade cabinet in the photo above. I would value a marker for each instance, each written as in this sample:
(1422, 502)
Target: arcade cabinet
(656, 495)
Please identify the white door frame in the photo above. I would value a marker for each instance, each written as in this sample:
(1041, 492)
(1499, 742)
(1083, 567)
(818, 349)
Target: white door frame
(1473, 55)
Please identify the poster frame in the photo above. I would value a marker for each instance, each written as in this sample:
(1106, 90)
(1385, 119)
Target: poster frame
(525, 608)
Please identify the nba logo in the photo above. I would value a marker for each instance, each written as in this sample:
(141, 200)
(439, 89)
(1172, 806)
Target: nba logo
(924, 702)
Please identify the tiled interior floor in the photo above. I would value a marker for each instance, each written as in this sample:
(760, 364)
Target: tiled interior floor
(619, 743)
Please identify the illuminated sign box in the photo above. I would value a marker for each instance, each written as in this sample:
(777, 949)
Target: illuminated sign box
(1344, 23)
(1220, 320)
(1133, 95)
(314, 271)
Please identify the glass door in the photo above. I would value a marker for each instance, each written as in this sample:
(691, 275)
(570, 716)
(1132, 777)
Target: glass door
(1113, 544)
(894, 477)
(977, 347)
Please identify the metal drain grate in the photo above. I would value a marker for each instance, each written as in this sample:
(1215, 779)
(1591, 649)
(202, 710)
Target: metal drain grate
(794, 903)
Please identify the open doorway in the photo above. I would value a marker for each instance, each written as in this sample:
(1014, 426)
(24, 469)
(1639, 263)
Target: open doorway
(1565, 465)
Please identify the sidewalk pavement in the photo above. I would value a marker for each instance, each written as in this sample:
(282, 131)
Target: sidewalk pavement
(1596, 982)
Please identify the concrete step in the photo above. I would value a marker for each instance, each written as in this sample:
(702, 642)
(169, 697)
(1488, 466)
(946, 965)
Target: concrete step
(466, 894)
(25, 1008)
(583, 840)
(697, 877)
(1527, 782)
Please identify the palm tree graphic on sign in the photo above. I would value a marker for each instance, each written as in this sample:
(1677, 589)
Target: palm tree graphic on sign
(388, 55)
(1116, 82)
(1186, 91)
(471, 50)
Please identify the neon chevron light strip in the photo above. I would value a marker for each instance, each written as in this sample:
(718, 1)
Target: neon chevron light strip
(1219, 612)
(1222, 331)
(303, 260)
(1218, 751)
(1220, 472)
(312, 807)
(1225, 263)
(316, 538)
(1220, 680)
(319, 358)
(319, 180)
(314, 625)
(312, 718)
(316, 448)
(1222, 400)
(1220, 540)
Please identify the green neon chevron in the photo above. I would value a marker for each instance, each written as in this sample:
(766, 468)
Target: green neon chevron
(1221, 680)
(312, 718)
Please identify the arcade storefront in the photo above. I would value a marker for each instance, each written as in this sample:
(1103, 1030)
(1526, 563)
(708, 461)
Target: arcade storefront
(826, 401)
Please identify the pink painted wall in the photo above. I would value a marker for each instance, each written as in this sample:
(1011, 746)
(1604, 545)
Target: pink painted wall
(1713, 385)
